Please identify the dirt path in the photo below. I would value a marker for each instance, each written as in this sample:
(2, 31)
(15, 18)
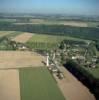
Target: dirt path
(23, 38)
(72, 88)
(17, 59)
(9, 85)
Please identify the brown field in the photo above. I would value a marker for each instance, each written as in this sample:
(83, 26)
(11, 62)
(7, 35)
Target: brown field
(74, 23)
(17, 59)
(4, 33)
(22, 38)
(72, 88)
(9, 85)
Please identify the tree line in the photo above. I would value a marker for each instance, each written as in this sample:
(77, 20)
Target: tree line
(79, 32)
(84, 76)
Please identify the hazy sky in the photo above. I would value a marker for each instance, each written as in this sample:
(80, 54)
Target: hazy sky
(87, 7)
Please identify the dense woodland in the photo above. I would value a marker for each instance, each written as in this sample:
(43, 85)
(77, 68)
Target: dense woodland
(84, 76)
(80, 32)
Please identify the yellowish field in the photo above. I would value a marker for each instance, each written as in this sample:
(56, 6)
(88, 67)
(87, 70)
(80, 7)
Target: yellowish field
(22, 38)
(18, 59)
(4, 33)
(9, 85)
(74, 23)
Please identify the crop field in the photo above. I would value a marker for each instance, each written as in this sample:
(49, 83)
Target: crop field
(9, 85)
(48, 41)
(93, 24)
(17, 59)
(56, 22)
(9, 34)
(5, 33)
(14, 34)
(38, 84)
(7, 20)
(22, 38)
(75, 23)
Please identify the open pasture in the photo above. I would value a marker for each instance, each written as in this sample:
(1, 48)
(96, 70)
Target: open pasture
(38, 84)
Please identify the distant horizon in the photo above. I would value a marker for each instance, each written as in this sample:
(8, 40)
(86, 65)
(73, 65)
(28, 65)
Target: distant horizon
(62, 7)
(48, 14)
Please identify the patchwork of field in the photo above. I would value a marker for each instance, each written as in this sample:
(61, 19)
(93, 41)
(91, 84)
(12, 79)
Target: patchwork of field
(49, 41)
(9, 85)
(22, 38)
(38, 84)
(56, 22)
(17, 59)
(53, 38)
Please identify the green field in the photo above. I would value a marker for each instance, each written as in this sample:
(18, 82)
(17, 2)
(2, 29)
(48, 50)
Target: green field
(10, 34)
(14, 34)
(7, 20)
(38, 84)
(49, 41)
(93, 24)
(5, 33)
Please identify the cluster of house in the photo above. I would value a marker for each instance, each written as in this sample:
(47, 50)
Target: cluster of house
(53, 66)
(80, 56)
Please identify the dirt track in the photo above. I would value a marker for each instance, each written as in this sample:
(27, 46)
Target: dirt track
(9, 85)
(22, 38)
(17, 59)
(72, 88)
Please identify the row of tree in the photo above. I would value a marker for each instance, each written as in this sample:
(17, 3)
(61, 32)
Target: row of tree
(79, 32)
(84, 76)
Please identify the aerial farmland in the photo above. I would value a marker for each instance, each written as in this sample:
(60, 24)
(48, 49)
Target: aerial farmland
(49, 50)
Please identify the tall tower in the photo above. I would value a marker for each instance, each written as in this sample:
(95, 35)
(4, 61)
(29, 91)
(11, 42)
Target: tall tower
(47, 60)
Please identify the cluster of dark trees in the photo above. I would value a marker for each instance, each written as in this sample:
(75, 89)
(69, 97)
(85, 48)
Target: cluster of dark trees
(74, 42)
(97, 45)
(84, 76)
(79, 32)
(6, 44)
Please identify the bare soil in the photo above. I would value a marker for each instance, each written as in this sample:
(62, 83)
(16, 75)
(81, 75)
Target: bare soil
(18, 59)
(73, 89)
(23, 38)
(9, 85)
